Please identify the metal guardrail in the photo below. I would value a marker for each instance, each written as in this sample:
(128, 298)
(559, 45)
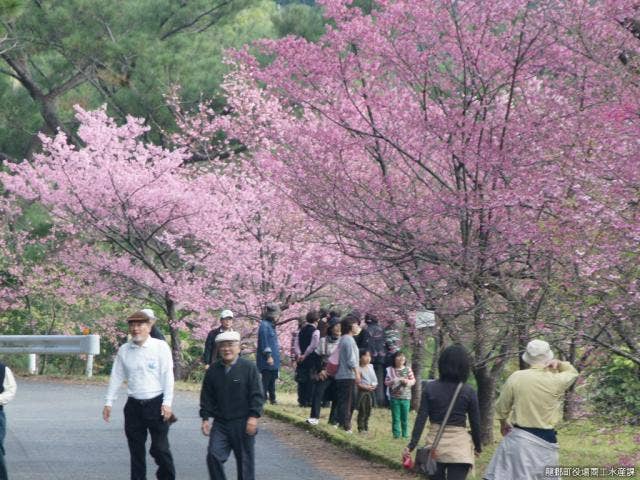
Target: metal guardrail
(52, 345)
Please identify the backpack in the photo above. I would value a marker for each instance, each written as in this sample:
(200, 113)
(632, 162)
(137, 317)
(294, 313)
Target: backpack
(376, 343)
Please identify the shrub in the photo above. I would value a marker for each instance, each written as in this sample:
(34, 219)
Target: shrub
(615, 390)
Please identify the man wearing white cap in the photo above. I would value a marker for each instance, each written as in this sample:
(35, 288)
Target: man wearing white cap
(529, 407)
(232, 396)
(210, 351)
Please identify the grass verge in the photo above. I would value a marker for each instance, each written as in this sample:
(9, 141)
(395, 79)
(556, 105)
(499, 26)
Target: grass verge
(583, 443)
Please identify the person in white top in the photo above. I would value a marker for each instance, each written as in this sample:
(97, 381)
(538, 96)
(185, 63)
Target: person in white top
(367, 384)
(7, 392)
(147, 366)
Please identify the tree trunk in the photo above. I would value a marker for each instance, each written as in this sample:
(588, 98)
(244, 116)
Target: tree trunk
(570, 407)
(437, 347)
(176, 346)
(485, 378)
(418, 355)
(486, 396)
(522, 323)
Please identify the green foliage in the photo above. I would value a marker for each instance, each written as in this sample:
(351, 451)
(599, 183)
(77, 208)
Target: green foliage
(615, 390)
(19, 119)
(8, 9)
(301, 20)
(126, 54)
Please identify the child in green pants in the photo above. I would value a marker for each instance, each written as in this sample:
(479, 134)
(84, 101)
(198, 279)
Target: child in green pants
(399, 379)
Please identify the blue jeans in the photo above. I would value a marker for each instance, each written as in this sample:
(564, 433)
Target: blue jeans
(3, 431)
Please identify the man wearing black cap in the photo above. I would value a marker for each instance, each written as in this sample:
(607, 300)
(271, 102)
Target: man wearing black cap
(232, 395)
(146, 364)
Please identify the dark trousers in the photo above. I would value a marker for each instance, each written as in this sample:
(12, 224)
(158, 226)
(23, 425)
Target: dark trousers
(3, 431)
(451, 471)
(141, 416)
(269, 384)
(318, 395)
(365, 405)
(227, 435)
(305, 386)
(345, 400)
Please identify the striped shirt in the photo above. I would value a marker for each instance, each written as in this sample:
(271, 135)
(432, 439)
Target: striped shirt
(394, 378)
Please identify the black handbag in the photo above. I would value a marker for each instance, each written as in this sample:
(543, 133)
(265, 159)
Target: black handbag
(425, 456)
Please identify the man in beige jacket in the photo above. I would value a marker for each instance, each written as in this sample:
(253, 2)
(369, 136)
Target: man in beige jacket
(529, 407)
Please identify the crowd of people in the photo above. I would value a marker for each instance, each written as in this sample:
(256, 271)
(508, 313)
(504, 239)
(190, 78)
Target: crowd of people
(346, 363)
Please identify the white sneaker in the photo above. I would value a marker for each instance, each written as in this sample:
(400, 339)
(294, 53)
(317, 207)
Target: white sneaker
(349, 432)
(313, 421)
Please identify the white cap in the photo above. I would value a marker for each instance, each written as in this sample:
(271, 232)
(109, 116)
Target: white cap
(538, 353)
(228, 336)
(226, 314)
(149, 313)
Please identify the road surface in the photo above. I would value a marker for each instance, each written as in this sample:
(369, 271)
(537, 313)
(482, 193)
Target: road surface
(55, 431)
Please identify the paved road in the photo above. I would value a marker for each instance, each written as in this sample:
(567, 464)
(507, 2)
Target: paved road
(56, 431)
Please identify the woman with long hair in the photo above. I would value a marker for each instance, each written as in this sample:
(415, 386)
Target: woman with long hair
(455, 452)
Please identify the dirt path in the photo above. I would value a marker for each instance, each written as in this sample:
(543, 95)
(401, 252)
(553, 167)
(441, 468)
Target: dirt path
(331, 458)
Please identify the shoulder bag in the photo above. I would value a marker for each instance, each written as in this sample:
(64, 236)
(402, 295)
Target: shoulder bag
(333, 362)
(426, 456)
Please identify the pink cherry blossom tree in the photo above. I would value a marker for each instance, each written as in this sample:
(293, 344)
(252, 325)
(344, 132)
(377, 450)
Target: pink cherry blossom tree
(129, 214)
(140, 224)
(442, 140)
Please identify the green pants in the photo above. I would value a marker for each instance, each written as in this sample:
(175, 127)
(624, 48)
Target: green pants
(400, 417)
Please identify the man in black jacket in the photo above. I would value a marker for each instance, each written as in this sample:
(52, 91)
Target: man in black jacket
(155, 331)
(210, 349)
(232, 395)
(308, 339)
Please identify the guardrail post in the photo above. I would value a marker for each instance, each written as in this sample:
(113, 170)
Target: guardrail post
(89, 369)
(33, 366)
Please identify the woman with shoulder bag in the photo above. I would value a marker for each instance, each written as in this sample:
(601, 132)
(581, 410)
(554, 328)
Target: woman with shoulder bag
(455, 450)
(323, 384)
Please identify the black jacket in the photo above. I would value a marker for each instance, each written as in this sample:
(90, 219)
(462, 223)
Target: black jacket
(210, 350)
(156, 333)
(436, 396)
(228, 396)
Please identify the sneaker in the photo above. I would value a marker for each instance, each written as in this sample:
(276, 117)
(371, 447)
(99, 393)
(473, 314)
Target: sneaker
(348, 432)
(335, 425)
(312, 421)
